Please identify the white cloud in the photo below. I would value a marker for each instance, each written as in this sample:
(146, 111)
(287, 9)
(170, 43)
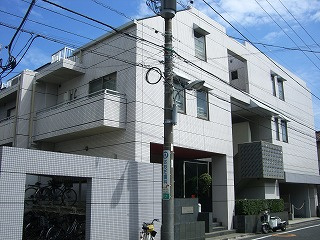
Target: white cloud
(35, 58)
(271, 37)
(143, 10)
(249, 13)
(316, 16)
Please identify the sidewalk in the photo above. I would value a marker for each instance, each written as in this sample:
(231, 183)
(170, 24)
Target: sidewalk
(292, 223)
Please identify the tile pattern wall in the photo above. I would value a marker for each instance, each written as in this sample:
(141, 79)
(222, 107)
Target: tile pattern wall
(123, 193)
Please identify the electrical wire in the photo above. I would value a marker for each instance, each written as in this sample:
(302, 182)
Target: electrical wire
(286, 33)
(299, 23)
(276, 64)
(292, 29)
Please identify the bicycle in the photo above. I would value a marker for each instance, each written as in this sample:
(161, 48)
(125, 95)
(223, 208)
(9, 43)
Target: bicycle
(70, 228)
(37, 225)
(69, 196)
(36, 194)
(148, 232)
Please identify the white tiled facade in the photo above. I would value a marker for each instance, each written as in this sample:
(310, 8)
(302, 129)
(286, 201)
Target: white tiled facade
(123, 193)
(56, 113)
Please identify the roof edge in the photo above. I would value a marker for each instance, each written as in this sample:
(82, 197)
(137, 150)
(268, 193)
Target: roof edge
(105, 36)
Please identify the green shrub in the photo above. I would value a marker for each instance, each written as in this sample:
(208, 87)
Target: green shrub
(205, 182)
(255, 206)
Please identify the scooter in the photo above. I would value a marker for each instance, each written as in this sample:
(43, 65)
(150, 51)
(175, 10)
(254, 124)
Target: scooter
(271, 223)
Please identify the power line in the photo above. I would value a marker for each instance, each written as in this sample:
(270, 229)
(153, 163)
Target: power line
(102, 23)
(221, 80)
(278, 46)
(109, 56)
(299, 23)
(117, 59)
(61, 14)
(12, 62)
(276, 64)
(286, 33)
(292, 29)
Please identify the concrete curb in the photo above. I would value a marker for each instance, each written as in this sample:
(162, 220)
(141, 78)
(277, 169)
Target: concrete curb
(292, 223)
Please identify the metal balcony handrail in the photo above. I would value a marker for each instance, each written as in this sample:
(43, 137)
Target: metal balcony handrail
(64, 53)
(99, 93)
(11, 82)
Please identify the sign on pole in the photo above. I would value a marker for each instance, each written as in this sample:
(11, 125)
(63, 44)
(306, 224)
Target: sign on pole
(166, 175)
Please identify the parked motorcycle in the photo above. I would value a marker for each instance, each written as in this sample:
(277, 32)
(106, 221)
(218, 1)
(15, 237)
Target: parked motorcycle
(271, 223)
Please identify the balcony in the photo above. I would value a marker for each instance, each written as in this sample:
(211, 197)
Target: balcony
(6, 130)
(86, 116)
(63, 67)
(8, 89)
(261, 160)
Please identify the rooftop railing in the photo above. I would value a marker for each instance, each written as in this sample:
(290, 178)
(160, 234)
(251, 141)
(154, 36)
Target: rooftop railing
(10, 83)
(65, 53)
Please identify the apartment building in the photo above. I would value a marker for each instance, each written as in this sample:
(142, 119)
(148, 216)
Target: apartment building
(250, 127)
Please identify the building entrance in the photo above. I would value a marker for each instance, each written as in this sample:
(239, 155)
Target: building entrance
(193, 180)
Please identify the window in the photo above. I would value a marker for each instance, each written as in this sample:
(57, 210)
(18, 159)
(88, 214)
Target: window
(273, 79)
(284, 130)
(179, 96)
(202, 104)
(276, 124)
(280, 89)
(234, 75)
(277, 81)
(200, 45)
(106, 82)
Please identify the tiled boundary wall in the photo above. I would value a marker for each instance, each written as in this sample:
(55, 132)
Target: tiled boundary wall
(121, 194)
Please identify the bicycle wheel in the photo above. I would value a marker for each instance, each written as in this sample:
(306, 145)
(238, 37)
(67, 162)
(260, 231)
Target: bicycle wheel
(69, 197)
(56, 196)
(55, 233)
(145, 236)
(32, 231)
(30, 196)
(53, 195)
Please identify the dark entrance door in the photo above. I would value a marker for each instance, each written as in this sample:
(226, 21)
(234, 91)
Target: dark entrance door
(197, 183)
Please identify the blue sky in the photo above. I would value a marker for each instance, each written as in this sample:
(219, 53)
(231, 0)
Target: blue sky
(273, 22)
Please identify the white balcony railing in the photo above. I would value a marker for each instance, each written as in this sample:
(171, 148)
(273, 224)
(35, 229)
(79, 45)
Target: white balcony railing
(83, 116)
(10, 83)
(65, 53)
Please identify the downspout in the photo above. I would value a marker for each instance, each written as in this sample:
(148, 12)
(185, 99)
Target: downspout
(31, 113)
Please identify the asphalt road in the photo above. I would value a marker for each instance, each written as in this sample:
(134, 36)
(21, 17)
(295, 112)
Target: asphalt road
(307, 231)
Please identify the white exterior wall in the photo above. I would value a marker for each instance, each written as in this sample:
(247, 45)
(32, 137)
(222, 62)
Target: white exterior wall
(144, 122)
(118, 143)
(299, 154)
(190, 132)
(23, 110)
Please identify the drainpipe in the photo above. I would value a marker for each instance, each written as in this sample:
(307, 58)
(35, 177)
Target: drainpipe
(31, 113)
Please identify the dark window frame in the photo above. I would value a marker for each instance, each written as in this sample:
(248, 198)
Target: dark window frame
(277, 129)
(281, 89)
(204, 116)
(284, 130)
(179, 94)
(200, 45)
(101, 83)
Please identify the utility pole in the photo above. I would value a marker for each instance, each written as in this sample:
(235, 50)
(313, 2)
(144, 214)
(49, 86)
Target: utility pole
(168, 10)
